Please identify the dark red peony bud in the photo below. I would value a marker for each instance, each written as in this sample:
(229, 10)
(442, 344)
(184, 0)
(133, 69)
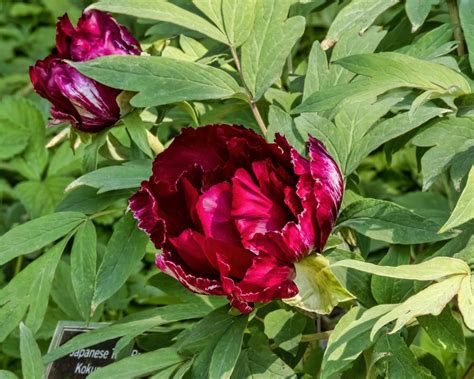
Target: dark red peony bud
(233, 213)
(88, 105)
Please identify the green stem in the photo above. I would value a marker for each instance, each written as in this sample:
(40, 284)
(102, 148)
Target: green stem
(103, 213)
(253, 105)
(458, 35)
(19, 263)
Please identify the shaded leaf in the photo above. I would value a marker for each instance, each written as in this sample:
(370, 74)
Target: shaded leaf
(31, 364)
(464, 210)
(389, 290)
(125, 250)
(397, 361)
(451, 138)
(389, 222)
(444, 330)
(83, 267)
(227, 349)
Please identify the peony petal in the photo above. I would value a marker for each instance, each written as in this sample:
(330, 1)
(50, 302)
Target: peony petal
(292, 201)
(328, 188)
(191, 196)
(191, 247)
(252, 211)
(95, 103)
(173, 266)
(288, 245)
(265, 280)
(214, 210)
(42, 76)
(232, 260)
(98, 34)
(192, 148)
(145, 210)
(64, 32)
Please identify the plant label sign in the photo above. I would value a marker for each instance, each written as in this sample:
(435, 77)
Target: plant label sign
(82, 362)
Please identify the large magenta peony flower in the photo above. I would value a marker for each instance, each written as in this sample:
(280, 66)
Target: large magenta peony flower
(89, 106)
(233, 213)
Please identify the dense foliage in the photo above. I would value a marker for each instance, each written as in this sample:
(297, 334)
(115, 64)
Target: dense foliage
(387, 86)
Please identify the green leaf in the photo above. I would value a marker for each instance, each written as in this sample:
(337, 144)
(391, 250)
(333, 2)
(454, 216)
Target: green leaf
(451, 137)
(36, 234)
(466, 14)
(90, 158)
(321, 76)
(363, 89)
(86, 200)
(21, 114)
(210, 328)
(430, 300)
(62, 292)
(352, 42)
(319, 290)
(125, 250)
(138, 132)
(7, 375)
(358, 14)
(29, 291)
(153, 77)
(432, 44)
(238, 17)
(136, 321)
(285, 328)
(406, 71)
(432, 205)
(233, 17)
(281, 122)
(397, 361)
(389, 222)
(464, 210)
(317, 75)
(356, 282)
(41, 197)
(356, 132)
(417, 11)
(350, 338)
(432, 269)
(389, 290)
(39, 279)
(261, 364)
(14, 138)
(83, 267)
(269, 44)
(128, 175)
(162, 11)
(227, 349)
(444, 330)
(31, 364)
(389, 129)
(140, 365)
(466, 301)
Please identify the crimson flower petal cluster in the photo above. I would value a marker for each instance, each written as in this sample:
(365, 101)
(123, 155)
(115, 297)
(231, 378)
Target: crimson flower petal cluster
(233, 213)
(89, 106)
